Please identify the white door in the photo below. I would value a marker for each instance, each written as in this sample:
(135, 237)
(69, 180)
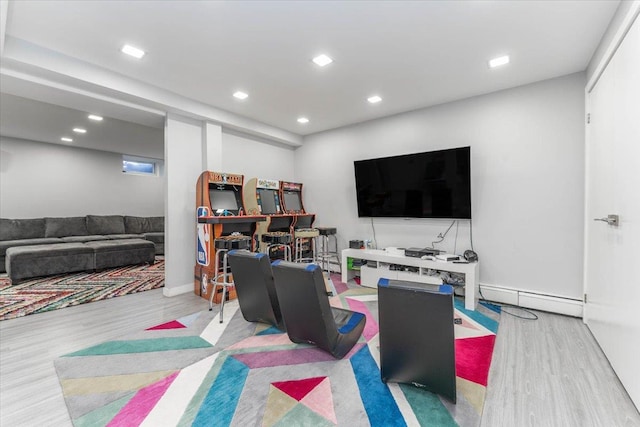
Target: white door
(612, 252)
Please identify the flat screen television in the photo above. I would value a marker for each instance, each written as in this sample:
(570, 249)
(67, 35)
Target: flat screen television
(434, 184)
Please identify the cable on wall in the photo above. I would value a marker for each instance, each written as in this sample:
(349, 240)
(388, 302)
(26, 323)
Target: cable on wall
(501, 306)
(375, 241)
(441, 236)
(455, 241)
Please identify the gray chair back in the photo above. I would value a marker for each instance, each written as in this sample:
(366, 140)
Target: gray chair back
(417, 343)
(307, 315)
(255, 287)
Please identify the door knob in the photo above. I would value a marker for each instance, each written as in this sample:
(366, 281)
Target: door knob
(610, 219)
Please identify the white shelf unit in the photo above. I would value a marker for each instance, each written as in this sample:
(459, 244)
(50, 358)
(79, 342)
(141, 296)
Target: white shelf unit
(379, 261)
(373, 274)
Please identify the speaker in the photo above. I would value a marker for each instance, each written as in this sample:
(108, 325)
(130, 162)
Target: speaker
(356, 244)
(470, 256)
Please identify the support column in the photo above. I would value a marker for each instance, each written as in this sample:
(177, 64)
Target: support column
(183, 165)
(212, 147)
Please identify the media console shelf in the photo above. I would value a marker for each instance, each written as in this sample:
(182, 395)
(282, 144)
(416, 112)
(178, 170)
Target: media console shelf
(379, 262)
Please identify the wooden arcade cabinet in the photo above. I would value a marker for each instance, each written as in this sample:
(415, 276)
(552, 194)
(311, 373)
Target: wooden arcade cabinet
(221, 225)
(291, 199)
(262, 197)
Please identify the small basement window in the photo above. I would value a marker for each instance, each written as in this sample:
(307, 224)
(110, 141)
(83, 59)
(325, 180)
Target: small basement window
(140, 166)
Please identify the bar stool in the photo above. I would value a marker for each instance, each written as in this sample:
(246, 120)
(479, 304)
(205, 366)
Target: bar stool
(277, 239)
(300, 236)
(326, 256)
(223, 276)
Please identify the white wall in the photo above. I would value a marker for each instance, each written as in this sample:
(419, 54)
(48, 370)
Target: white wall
(256, 159)
(192, 147)
(610, 33)
(39, 179)
(527, 156)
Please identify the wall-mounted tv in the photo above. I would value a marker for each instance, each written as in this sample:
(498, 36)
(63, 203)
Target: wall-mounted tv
(434, 184)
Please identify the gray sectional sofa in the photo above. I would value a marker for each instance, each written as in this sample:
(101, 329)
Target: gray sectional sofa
(44, 246)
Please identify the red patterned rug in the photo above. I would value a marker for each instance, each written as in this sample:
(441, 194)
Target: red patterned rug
(66, 290)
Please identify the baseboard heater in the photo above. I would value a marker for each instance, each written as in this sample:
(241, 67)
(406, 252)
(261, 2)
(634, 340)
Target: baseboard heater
(550, 303)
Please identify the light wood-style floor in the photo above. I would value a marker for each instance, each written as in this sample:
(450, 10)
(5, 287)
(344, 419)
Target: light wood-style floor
(548, 372)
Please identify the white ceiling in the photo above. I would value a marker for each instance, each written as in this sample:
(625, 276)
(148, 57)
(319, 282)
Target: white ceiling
(413, 54)
(33, 120)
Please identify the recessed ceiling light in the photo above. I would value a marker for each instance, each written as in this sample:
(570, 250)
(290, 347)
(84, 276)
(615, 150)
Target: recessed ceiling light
(303, 120)
(496, 62)
(94, 117)
(322, 60)
(374, 99)
(133, 51)
(65, 139)
(79, 130)
(240, 95)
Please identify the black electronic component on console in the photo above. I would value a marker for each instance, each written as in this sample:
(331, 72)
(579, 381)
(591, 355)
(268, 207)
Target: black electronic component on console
(420, 252)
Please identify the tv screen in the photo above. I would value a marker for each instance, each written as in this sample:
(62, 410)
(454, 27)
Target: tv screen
(268, 201)
(292, 201)
(435, 184)
(223, 200)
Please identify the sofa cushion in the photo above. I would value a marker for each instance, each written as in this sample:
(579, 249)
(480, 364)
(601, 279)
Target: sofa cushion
(6, 244)
(115, 253)
(136, 224)
(159, 248)
(105, 224)
(67, 226)
(158, 240)
(42, 260)
(16, 229)
(125, 236)
(82, 239)
(154, 237)
(156, 224)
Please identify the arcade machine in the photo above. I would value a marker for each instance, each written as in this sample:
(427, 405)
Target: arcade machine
(274, 236)
(304, 233)
(222, 226)
(291, 197)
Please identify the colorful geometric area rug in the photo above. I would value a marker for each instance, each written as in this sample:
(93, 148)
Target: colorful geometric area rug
(196, 371)
(66, 290)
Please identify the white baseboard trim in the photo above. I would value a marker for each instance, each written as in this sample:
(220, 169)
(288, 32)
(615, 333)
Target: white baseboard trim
(550, 303)
(177, 290)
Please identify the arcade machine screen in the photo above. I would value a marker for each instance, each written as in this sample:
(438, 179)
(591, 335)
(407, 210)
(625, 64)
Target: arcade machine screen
(224, 201)
(269, 202)
(292, 201)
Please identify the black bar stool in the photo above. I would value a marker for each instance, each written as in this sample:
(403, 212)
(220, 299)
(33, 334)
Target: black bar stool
(301, 236)
(223, 276)
(277, 240)
(326, 256)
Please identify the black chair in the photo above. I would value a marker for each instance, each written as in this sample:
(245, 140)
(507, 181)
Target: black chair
(417, 343)
(255, 289)
(307, 315)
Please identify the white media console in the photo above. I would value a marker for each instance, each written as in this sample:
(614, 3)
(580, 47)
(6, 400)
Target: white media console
(379, 261)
